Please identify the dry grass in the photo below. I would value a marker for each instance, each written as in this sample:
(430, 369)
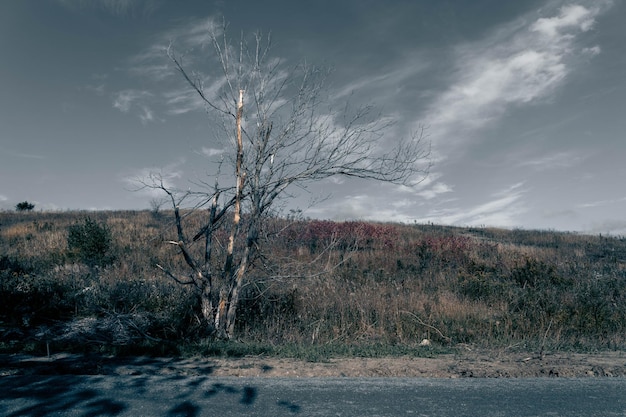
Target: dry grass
(326, 284)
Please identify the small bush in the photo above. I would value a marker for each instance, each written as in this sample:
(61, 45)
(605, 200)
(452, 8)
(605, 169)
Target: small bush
(12, 267)
(90, 242)
(535, 274)
(29, 300)
(24, 206)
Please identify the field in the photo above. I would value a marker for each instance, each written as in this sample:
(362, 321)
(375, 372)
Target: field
(318, 289)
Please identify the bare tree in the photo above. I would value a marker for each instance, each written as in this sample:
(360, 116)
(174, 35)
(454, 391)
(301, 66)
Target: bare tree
(282, 135)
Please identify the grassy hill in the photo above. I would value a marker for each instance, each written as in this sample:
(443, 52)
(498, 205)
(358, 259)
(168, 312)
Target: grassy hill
(318, 286)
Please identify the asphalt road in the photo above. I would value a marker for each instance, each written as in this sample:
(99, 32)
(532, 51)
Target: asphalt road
(76, 395)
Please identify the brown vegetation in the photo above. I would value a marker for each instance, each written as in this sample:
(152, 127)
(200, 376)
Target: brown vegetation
(293, 137)
(354, 288)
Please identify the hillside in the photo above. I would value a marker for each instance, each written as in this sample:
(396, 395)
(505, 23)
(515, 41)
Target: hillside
(318, 289)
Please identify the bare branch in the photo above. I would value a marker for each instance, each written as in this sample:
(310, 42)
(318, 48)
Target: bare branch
(196, 84)
(174, 277)
(289, 135)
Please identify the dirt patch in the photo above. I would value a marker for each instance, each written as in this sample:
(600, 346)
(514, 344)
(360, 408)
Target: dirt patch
(470, 364)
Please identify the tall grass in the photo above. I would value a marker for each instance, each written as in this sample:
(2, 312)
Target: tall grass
(342, 287)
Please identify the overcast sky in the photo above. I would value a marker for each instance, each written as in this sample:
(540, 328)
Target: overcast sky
(525, 102)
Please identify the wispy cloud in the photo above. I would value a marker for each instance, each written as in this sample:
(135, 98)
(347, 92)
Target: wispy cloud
(592, 51)
(502, 210)
(98, 89)
(183, 100)
(157, 71)
(385, 84)
(139, 180)
(557, 160)
(194, 33)
(363, 207)
(187, 38)
(146, 115)
(521, 63)
(115, 7)
(20, 154)
(125, 100)
(99, 85)
(612, 226)
(25, 155)
(428, 188)
(435, 191)
(209, 152)
(174, 97)
(602, 203)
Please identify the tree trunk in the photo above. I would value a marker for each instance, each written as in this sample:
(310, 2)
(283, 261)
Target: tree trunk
(233, 296)
(225, 318)
(239, 177)
(220, 316)
(206, 305)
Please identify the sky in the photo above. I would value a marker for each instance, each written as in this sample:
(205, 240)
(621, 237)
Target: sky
(523, 102)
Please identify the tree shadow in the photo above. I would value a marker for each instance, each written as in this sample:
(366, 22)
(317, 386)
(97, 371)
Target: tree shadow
(289, 406)
(184, 409)
(37, 387)
(50, 395)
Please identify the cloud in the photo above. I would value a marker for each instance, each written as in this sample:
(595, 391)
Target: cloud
(187, 39)
(502, 210)
(336, 180)
(602, 203)
(362, 207)
(522, 63)
(571, 16)
(25, 155)
(559, 214)
(120, 8)
(385, 84)
(195, 34)
(142, 180)
(184, 100)
(147, 115)
(211, 151)
(98, 89)
(616, 227)
(435, 190)
(594, 50)
(556, 160)
(155, 71)
(125, 100)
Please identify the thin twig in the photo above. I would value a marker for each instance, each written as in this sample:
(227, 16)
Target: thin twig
(426, 325)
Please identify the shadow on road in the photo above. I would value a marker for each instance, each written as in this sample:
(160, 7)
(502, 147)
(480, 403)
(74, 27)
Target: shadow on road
(49, 395)
(39, 387)
(94, 365)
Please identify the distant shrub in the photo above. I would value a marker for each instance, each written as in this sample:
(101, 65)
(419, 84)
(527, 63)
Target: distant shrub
(444, 250)
(352, 235)
(481, 287)
(24, 206)
(12, 267)
(90, 242)
(534, 273)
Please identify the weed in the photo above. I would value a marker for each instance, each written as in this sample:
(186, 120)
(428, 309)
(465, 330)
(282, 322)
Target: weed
(90, 242)
(321, 289)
